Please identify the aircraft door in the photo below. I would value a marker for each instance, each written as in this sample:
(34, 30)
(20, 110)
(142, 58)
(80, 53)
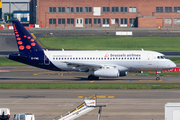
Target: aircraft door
(46, 60)
(150, 59)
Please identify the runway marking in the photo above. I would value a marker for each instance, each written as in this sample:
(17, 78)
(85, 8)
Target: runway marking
(110, 97)
(5, 71)
(48, 73)
(98, 96)
(150, 80)
(92, 81)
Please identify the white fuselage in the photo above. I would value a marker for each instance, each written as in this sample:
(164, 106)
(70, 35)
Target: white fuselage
(123, 60)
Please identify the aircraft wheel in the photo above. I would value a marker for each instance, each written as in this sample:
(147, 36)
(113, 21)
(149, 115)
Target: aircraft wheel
(96, 78)
(92, 77)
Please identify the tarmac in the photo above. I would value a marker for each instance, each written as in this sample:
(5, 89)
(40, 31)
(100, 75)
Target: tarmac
(29, 74)
(47, 104)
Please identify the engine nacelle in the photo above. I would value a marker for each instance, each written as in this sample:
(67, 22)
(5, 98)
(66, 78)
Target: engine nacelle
(109, 73)
(121, 74)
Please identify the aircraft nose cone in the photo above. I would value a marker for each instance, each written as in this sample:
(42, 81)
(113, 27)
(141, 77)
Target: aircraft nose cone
(173, 65)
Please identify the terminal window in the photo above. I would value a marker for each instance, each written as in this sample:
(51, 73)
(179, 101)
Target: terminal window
(88, 21)
(70, 21)
(124, 21)
(132, 20)
(105, 21)
(52, 21)
(97, 21)
(61, 9)
(114, 9)
(88, 9)
(168, 9)
(159, 9)
(168, 21)
(176, 20)
(61, 21)
(79, 9)
(52, 9)
(115, 21)
(124, 9)
(106, 9)
(132, 9)
(176, 9)
(70, 9)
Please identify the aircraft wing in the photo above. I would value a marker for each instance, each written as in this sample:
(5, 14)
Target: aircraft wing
(88, 66)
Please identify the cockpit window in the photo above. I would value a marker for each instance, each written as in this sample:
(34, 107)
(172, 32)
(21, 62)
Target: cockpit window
(162, 57)
(165, 57)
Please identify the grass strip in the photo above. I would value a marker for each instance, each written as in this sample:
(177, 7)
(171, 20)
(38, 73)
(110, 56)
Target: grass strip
(175, 60)
(112, 43)
(4, 61)
(89, 86)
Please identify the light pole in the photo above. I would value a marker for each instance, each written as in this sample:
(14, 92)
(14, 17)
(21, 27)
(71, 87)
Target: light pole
(36, 14)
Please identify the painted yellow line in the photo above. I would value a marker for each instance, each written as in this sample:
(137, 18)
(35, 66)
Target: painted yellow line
(80, 97)
(101, 96)
(110, 96)
(92, 81)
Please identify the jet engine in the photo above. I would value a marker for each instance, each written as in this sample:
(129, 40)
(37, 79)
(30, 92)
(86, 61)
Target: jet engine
(109, 73)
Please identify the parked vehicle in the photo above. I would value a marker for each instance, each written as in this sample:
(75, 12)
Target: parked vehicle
(4, 113)
(26, 116)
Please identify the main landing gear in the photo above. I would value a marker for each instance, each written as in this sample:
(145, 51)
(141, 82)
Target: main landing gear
(92, 77)
(157, 76)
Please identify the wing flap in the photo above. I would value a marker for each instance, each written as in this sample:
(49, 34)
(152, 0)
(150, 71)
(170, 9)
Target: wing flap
(89, 66)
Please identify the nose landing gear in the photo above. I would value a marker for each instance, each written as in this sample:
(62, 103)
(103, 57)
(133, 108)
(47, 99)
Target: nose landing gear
(157, 76)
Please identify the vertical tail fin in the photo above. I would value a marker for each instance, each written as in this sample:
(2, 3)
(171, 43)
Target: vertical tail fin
(26, 43)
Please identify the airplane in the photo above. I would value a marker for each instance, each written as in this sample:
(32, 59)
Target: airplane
(104, 63)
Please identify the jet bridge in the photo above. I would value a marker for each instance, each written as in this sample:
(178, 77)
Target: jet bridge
(85, 107)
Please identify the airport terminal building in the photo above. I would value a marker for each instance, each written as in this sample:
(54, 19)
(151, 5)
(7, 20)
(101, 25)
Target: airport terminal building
(108, 13)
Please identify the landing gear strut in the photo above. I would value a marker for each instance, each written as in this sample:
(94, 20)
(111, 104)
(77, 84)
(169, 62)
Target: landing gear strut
(92, 77)
(157, 76)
